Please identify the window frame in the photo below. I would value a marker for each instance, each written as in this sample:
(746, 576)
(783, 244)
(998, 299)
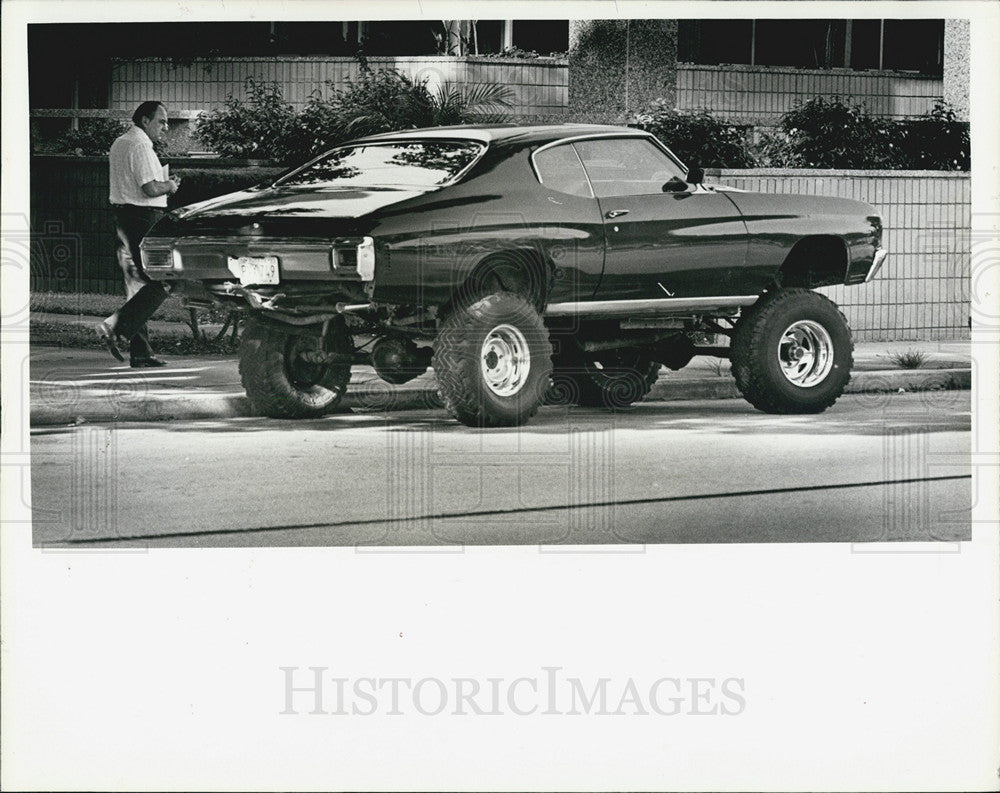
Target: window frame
(583, 168)
(841, 56)
(638, 135)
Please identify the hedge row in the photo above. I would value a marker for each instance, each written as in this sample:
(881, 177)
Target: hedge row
(819, 133)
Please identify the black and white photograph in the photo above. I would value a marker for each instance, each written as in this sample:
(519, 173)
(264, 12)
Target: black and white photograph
(403, 402)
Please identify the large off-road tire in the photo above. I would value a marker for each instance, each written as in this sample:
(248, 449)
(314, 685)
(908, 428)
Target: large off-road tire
(492, 360)
(279, 383)
(792, 353)
(610, 379)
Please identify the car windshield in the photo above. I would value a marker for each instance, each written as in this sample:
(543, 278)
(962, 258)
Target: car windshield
(417, 163)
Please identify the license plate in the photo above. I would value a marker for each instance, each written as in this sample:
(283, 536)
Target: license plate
(254, 270)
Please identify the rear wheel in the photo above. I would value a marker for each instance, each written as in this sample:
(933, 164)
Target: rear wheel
(283, 371)
(492, 360)
(792, 353)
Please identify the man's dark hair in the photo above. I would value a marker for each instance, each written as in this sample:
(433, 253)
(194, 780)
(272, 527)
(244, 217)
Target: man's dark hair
(145, 110)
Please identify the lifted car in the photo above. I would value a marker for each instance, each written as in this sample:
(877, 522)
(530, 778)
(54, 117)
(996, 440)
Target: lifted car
(563, 263)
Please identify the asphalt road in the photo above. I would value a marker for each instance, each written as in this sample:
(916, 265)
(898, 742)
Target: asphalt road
(878, 467)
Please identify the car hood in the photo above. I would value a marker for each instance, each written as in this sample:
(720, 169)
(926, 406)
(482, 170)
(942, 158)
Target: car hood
(284, 211)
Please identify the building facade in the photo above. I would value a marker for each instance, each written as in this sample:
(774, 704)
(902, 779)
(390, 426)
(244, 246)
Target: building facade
(745, 71)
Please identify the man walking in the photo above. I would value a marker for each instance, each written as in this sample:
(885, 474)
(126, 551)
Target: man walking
(139, 190)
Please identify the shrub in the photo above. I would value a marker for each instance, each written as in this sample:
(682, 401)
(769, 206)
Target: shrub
(265, 127)
(93, 138)
(485, 103)
(936, 142)
(377, 102)
(773, 148)
(825, 133)
(697, 138)
(257, 128)
(387, 101)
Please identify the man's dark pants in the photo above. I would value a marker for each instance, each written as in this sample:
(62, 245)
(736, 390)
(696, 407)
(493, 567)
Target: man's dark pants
(133, 223)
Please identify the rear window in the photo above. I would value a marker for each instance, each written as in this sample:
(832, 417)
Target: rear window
(559, 168)
(420, 163)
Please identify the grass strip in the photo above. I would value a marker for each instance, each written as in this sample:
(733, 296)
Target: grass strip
(84, 338)
(85, 304)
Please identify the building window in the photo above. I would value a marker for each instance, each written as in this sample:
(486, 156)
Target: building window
(913, 45)
(900, 44)
(474, 37)
(543, 36)
(715, 41)
(807, 43)
(489, 35)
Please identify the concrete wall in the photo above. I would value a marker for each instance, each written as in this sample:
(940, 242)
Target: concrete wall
(956, 66)
(617, 67)
(761, 94)
(921, 293)
(923, 290)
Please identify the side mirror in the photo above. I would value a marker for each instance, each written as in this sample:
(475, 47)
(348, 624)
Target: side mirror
(696, 175)
(675, 185)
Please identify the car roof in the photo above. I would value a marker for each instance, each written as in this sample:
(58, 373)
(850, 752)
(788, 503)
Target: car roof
(507, 133)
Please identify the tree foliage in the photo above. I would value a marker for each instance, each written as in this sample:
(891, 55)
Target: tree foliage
(263, 126)
(697, 138)
(832, 133)
(819, 133)
(258, 127)
(93, 137)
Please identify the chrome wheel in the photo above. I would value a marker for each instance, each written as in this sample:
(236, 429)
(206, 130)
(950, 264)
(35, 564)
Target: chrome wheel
(505, 360)
(805, 352)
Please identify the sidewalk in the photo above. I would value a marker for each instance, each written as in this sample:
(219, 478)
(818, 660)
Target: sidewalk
(71, 386)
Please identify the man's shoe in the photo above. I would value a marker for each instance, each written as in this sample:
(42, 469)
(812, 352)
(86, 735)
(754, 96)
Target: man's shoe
(145, 363)
(108, 337)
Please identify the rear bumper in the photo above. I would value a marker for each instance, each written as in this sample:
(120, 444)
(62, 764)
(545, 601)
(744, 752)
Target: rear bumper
(881, 254)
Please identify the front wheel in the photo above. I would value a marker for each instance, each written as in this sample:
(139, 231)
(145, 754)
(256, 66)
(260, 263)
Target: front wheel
(792, 353)
(492, 360)
(284, 373)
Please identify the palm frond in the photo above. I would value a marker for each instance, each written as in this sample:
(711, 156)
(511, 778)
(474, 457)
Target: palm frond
(459, 104)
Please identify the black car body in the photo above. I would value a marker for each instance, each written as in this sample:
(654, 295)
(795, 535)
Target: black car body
(624, 256)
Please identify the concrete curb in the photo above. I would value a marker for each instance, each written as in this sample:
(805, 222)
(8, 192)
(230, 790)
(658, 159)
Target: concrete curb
(861, 383)
(377, 396)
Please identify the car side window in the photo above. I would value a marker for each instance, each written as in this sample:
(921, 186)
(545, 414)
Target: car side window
(626, 166)
(559, 168)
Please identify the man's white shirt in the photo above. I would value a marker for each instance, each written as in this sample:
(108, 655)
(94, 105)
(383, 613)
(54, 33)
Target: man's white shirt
(133, 164)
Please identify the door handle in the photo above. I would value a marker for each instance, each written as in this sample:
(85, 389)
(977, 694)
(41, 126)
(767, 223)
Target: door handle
(614, 213)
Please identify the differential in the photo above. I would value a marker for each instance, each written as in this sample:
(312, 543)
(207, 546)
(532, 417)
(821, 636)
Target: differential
(674, 352)
(398, 360)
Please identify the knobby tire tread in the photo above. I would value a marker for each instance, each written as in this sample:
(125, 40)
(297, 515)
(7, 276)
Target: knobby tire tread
(749, 351)
(456, 364)
(263, 375)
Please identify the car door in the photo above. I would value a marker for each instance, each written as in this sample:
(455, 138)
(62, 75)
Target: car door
(572, 223)
(659, 244)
